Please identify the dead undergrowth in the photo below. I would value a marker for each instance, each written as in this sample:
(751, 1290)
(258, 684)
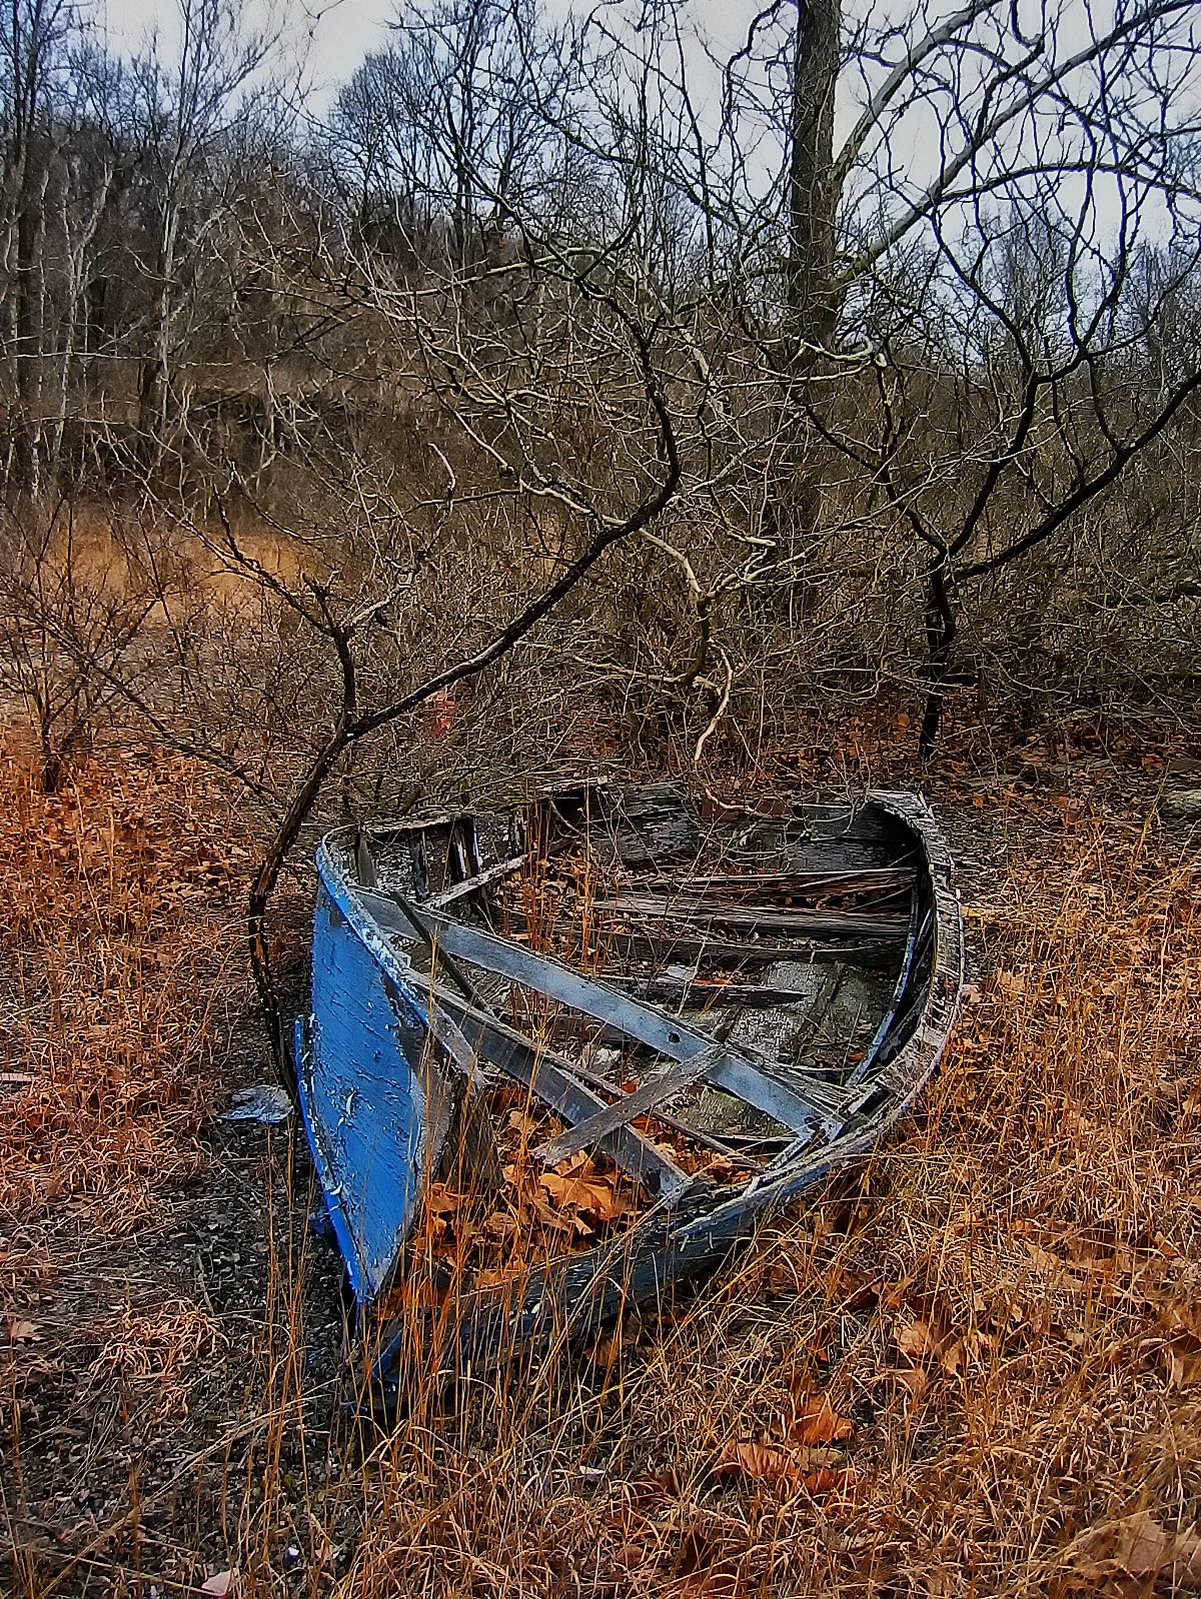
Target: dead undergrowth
(972, 1368)
(123, 972)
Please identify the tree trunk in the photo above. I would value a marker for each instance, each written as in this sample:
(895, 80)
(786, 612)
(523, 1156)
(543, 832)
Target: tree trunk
(941, 631)
(812, 301)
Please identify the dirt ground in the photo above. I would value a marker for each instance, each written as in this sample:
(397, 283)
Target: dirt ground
(999, 1313)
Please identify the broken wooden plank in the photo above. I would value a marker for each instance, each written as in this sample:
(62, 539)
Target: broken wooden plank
(438, 956)
(636, 1103)
(469, 885)
(734, 954)
(698, 994)
(868, 1064)
(757, 884)
(653, 822)
(555, 1080)
(820, 923)
(1183, 803)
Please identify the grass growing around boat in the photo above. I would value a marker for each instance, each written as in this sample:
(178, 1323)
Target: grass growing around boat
(971, 1367)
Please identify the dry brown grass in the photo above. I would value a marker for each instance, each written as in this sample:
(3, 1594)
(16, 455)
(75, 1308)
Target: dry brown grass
(156, 1350)
(122, 972)
(973, 1368)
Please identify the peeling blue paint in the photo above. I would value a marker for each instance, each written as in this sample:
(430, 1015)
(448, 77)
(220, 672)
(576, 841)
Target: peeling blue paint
(365, 1071)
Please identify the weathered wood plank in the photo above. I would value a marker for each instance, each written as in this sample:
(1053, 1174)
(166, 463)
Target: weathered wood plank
(713, 951)
(757, 885)
(555, 1080)
(713, 913)
(636, 1103)
(469, 885)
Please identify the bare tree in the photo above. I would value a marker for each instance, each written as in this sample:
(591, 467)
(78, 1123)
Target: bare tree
(965, 136)
(189, 111)
(74, 608)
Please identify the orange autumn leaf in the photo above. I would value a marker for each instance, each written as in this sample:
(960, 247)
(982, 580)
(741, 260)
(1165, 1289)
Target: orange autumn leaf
(818, 1470)
(918, 1340)
(827, 1479)
(966, 1352)
(1140, 1546)
(501, 1275)
(606, 1351)
(501, 1225)
(819, 1423)
(553, 1220)
(913, 1381)
(594, 1196)
(442, 1200)
(755, 1463)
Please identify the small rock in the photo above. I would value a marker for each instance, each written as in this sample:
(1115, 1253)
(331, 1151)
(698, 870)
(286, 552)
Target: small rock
(221, 1585)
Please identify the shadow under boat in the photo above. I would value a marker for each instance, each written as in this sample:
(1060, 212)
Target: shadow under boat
(771, 989)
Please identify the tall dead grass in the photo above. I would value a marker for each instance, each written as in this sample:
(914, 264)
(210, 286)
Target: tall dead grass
(123, 975)
(972, 1368)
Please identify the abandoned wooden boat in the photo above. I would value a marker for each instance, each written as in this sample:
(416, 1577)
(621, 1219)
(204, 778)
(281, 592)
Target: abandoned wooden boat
(716, 1006)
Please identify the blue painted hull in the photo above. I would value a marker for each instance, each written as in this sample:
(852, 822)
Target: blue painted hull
(374, 1102)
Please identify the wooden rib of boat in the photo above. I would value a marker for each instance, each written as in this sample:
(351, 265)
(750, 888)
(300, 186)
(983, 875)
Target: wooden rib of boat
(717, 1005)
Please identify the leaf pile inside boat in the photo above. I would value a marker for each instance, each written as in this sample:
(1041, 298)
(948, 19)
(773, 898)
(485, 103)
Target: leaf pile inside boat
(561, 1057)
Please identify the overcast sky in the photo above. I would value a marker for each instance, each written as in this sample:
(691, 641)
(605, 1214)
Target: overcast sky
(331, 38)
(335, 36)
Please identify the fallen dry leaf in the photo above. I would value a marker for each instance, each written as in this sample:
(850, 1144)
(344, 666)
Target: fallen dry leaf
(819, 1423)
(919, 1341)
(442, 1200)
(1183, 1359)
(756, 1463)
(1145, 1548)
(19, 1331)
(557, 1223)
(1140, 1546)
(591, 1194)
(965, 1352)
(818, 1470)
(606, 1351)
(827, 1480)
(497, 1277)
(914, 1380)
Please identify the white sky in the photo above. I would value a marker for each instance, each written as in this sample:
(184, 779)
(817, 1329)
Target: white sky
(329, 38)
(332, 36)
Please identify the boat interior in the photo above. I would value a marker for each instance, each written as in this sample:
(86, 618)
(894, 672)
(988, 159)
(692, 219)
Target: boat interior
(661, 973)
